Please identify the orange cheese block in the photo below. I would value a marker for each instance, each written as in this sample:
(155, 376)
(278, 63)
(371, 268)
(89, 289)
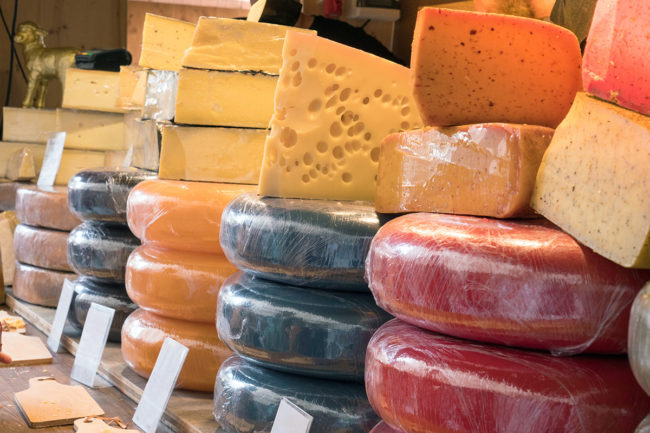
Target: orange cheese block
(41, 247)
(473, 67)
(484, 169)
(39, 286)
(45, 207)
(143, 334)
(180, 215)
(177, 284)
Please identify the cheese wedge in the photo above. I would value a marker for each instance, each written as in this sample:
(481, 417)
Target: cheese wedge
(21, 165)
(164, 41)
(87, 89)
(91, 130)
(10, 157)
(133, 80)
(143, 138)
(28, 125)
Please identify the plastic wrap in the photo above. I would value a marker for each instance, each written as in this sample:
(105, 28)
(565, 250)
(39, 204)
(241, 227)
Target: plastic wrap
(313, 243)
(246, 399)
(44, 206)
(143, 334)
(144, 138)
(160, 95)
(639, 338)
(39, 286)
(41, 247)
(100, 194)
(88, 291)
(8, 194)
(644, 427)
(180, 215)
(419, 382)
(297, 330)
(177, 284)
(382, 427)
(524, 284)
(101, 250)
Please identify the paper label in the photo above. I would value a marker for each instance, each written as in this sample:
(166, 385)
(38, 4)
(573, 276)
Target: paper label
(62, 308)
(92, 343)
(291, 419)
(51, 159)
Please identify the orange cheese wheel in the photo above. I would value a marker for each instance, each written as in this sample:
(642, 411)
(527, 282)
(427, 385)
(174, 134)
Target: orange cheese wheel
(177, 284)
(39, 286)
(41, 247)
(180, 215)
(143, 334)
(45, 207)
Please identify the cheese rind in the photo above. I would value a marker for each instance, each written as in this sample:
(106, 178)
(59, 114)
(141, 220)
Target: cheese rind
(89, 89)
(164, 41)
(160, 95)
(40, 247)
(639, 338)
(31, 125)
(45, 207)
(89, 130)
(38, 285)
(143, 137)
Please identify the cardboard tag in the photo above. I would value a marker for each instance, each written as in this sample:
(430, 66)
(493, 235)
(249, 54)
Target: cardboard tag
(62, 308)
(92, 343)
(51, 159)
(160, 385)
(291, 419)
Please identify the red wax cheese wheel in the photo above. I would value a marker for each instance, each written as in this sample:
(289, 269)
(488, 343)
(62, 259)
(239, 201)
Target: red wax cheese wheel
(523, 284)
(382, 427)
(180, 215)
(423, 382)
(471, 67)
(616, 64)
(39, 286)
(41, 247)
(45, 207)
(177, 284)
(143, 334)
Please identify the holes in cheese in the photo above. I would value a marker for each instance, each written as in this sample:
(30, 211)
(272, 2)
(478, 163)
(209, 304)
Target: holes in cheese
(91, 130)
(45, 207)
(41, 247)
(89, 89)
(164, 41)
(38, 285)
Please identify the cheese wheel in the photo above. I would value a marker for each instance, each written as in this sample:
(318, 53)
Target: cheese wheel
(88, 291)
(317, 333)
(39, 286)
(41, 247)
(47, 207)
(177, 284)
(143, 334)
(180, 215)
(100, 194)
(8, 194)
(382, 427)
(639, 338)
(315, 243)
(246, 399)
(101, 250)
(523, 284)
(422, 382)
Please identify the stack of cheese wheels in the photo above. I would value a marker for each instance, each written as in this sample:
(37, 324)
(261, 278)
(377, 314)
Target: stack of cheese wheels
(99, 247)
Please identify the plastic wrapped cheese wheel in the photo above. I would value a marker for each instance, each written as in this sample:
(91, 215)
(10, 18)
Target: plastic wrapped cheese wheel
(246, 399)
(177, 284)
(639, 338)
(100, 250)
(314, 243)
(318, 333)
(143, 334)
(180, 215)
(419, 381)
(523, 284)
(41, 247)
(44, 206)
(39, 286)
(100, 194)
(382, 427)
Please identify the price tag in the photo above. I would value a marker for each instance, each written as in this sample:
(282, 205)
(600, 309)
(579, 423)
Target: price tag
(160, 385)
(54, 339)
(291, 419)
(51, 159)
(92, 343)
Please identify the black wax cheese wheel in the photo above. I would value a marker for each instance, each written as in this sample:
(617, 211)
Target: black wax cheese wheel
(320, 333)
(246, 399)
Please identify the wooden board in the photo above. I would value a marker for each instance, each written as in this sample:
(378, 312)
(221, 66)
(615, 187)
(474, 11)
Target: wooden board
(95, 425)
(24, 350)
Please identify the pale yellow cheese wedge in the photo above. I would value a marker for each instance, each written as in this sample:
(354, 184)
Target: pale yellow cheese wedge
(164, 41)
(87, 89)
(10, 155)
(21, 165)
(133, 80)
(91, 130)
(28, 125)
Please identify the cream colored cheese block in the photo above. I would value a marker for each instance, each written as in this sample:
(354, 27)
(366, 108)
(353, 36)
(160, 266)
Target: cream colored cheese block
(164, 41)
(21, 165)
(133, 81)
(225, 98)
(8, 223)
(212, 154)
(333, 106)
(87, 89)
(10, 156)
(73, 161)
(91, 130)
(30, 125)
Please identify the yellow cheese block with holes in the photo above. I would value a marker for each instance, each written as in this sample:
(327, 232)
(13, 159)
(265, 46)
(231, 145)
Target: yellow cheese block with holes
(333, 106)
(29, 125)
(9, 151)
(164, 41)
(91, 130)
(87, 89)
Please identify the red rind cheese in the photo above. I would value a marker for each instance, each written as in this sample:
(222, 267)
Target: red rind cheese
(41, 247)
(45, 207)
(39, 286)
(382, 427)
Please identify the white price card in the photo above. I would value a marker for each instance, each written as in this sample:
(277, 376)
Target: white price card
(92, 343)
(62, 308)
(291, 419)
(160, 385)
(51, 159)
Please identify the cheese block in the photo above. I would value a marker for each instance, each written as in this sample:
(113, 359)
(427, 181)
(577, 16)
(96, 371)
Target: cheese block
(419, 381)
(333, 106)
(89, 89)
(639, 338)
(314, 243)
(474, 67)
(226, 44)
(164, 41)
(88, 291)
(38, 285)
(132, 84)
(21, 165)
(484, 169)
(596, 167)
(73, 161)
(100, 250)
(382, 427)
(160, 95)
(143, 334)
(644, 427)
(8, 194)
(8, 224)
(304, 331)
(100, 194)
(615, 67)
(246, 399)
(47, 207)
(41, 247)
(91, 130)
(29, 125)
(225, 98)
(212, 154)
(177, 284)
(180, 215)
(11, 161)
(143, 137)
